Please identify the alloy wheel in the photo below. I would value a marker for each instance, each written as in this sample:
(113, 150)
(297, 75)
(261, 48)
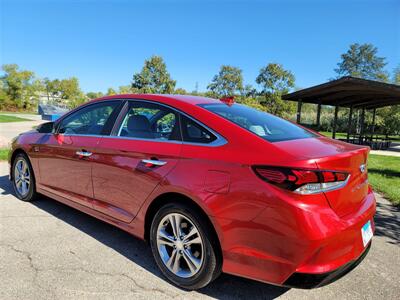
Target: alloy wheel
(180, 245)
(22, 177)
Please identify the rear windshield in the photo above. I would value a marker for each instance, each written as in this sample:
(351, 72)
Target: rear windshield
(267, 126)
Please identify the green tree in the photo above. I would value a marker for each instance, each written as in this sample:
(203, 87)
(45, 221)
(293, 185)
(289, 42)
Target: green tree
(125, 89)
(111, 92)
(276, 81)
(396, 75)
(180, 91)
(362, 61)
(19, 88)
(252, 102)
(52, 88)
(70, 92)
(228, 82)
(389, 119)
(249, 91)
(153, 78)
(94, 95)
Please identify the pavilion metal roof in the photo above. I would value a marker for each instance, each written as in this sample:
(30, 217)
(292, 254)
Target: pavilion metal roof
(349, 91)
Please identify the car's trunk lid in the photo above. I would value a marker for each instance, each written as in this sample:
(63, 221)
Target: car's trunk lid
(336, 156)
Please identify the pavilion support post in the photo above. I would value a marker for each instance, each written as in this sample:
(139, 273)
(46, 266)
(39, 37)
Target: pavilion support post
(349, 123)
(373, 123)
(361, 138)
(318, 115)
(299, 103)
(335, 122)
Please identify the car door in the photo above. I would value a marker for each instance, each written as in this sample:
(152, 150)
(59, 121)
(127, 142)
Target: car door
(144, 147)
(65, 156)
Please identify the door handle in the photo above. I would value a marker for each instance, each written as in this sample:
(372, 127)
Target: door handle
(83, 153)
(153, 162)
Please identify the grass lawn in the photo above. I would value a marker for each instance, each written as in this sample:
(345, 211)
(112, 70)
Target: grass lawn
(4, 154)
(339, 135)
(384, 176)
(7, 119)
(22, 112)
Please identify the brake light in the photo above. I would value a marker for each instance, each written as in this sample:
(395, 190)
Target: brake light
(228, 100)
(302, 181)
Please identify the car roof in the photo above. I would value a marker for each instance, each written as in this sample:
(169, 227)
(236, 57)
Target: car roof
(164, 98)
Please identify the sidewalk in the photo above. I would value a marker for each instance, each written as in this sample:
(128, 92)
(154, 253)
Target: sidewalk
(394, 150)
(10, 130)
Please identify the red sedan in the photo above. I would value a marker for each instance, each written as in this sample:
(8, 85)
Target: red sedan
(213, 185)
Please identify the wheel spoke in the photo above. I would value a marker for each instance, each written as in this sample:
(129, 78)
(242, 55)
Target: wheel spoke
(192, 262)
(173, 261)
(165, 239)
(19, 166)
(175, 266)
(196, 240)
(191, 234)
(24, 187)
(24, 167)
(175, 221)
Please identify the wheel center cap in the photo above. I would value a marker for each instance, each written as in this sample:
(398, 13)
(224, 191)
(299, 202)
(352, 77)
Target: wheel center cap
(179, 245)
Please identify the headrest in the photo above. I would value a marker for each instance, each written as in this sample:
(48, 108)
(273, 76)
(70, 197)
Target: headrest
(138, 123)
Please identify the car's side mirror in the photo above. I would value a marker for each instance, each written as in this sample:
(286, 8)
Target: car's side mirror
(45, 127)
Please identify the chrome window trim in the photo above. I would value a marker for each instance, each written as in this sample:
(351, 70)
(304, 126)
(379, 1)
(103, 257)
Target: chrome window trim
(219, 141)
(216, 143)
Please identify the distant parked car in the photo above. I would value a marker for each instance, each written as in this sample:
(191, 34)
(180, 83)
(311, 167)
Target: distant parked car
(212, 185)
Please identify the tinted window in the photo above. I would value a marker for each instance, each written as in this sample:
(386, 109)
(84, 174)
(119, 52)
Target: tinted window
(267, 126)
(89, 120)
(195, 133)
(150, 121)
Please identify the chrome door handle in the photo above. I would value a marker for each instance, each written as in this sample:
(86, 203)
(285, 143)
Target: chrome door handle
(83, 153)
(153, 162)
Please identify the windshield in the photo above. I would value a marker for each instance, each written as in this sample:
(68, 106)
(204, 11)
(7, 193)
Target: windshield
(267, 126)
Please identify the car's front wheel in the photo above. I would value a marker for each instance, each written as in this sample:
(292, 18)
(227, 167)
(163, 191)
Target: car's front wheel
(182, 246)
(23, 178)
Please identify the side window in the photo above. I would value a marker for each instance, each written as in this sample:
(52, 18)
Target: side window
(194, 133)
(89, 120)
(150, 121)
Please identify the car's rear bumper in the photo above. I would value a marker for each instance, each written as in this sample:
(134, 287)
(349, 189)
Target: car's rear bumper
(309, 280)
(305, 246)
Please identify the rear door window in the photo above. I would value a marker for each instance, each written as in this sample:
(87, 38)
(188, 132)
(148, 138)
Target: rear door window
(192, 132)
(145, 120)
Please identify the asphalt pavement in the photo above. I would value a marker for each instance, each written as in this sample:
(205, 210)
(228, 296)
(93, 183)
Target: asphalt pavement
(51, 251)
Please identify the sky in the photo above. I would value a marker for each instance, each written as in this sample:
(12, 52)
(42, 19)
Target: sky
(105, 42)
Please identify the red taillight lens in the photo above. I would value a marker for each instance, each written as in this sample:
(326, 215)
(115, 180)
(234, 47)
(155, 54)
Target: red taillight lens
(302, 181)
(305, 176)
(275, 176)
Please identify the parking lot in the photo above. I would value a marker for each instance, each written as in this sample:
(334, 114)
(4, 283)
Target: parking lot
(51, 251)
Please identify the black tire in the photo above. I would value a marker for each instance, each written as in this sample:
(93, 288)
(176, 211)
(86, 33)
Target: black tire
(211, 266)
(31, 194)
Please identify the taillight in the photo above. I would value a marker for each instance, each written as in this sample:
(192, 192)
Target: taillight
(302, 181)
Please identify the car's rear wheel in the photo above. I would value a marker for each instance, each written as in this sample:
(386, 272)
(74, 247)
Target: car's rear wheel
(181, 245)
(23, 178)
